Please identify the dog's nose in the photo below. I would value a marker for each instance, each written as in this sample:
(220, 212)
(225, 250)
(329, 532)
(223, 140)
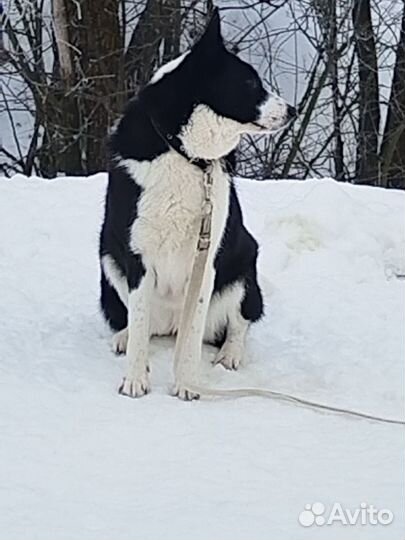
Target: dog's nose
(291, 112)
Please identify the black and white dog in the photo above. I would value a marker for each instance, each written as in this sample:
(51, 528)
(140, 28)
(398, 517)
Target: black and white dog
(192, 113)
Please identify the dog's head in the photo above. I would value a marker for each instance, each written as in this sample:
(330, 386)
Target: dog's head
(209, 97)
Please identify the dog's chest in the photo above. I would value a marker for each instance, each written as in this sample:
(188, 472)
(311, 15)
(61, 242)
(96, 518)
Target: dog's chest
(168, 219)
(168, 211)
(170, 206)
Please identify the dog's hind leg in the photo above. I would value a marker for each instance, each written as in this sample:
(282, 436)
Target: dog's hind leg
(231, 312)
(231, 353)
(120, 341)
(226, 325)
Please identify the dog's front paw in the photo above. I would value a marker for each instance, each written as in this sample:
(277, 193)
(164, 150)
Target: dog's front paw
(182, 392)
(135, 387)
(120, 341)
(230, 356)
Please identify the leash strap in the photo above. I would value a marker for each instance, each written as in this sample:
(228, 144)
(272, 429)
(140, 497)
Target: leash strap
(195, 284)
(293, 400)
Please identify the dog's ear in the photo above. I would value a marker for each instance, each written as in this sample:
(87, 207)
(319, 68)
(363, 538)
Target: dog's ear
(211, 39)
(213, 30)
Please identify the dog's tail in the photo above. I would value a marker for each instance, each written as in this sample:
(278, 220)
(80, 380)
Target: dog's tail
(114, 310)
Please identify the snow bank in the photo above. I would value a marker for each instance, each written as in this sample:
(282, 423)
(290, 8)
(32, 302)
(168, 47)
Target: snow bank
(79, 461)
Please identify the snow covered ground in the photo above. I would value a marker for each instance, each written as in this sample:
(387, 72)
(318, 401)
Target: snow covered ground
(79, 461)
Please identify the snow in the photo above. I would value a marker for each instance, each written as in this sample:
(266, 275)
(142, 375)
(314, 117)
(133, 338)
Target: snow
(80, 461)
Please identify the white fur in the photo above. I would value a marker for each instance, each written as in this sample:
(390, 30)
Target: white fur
(168, 68)
(207, 135)
(169, 212)
(210, 136)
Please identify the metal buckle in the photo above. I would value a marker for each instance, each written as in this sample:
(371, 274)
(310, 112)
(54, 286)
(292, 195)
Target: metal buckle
(203, 243)
(204, 239)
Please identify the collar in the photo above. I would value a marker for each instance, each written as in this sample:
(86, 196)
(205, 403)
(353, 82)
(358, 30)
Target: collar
(175, 143)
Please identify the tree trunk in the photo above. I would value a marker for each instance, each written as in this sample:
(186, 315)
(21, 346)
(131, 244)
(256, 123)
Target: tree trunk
(393, 146)
(367, 169)
(87, 91)
(61, 26)
(101, 62)
(338, 150)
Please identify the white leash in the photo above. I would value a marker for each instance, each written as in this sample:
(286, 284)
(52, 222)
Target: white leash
(199, 265)
(190, 304)
(289, 398)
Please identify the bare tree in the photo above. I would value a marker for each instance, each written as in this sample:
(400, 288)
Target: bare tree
(369, 99)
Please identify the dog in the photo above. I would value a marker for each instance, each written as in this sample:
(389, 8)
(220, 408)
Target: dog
(190, 115)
